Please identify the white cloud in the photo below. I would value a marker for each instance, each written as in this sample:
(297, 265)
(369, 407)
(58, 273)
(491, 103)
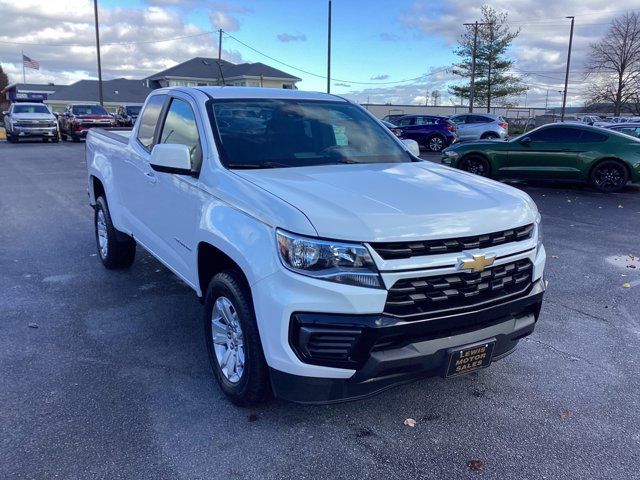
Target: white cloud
(63, 39)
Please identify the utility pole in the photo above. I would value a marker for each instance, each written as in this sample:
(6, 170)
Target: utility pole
(546, 102)
(472, 87)
(566, 78)
(95, 12)
(329, 50)
(219, 45)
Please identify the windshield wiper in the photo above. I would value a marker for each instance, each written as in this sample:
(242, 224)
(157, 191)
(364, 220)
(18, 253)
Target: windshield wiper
(242, 166)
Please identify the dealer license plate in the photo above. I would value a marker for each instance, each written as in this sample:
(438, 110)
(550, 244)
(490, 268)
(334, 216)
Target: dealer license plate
(470, 358)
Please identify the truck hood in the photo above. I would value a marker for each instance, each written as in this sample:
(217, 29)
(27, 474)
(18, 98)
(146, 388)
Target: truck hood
(33, 116)
(396, 202)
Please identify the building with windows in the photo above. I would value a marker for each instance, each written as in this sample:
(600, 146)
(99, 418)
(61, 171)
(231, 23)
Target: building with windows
(201, 71)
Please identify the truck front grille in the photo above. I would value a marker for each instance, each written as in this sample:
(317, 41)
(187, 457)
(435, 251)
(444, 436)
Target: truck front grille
(396, 250)
(447, 294)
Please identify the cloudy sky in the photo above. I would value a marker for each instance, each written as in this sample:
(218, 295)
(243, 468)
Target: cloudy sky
(385, 51)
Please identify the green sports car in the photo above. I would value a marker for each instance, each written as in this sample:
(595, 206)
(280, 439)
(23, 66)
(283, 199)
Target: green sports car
(564, 151)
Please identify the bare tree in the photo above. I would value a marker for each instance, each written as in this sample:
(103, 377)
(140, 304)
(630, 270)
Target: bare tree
(615, 64)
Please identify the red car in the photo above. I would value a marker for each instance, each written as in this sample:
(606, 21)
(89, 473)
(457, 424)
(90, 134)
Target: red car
(77, 119)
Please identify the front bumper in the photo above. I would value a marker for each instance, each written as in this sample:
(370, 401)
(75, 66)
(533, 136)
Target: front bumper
(386, 351)
(39, 132)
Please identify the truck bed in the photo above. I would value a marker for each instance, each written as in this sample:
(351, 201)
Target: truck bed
(119, 134)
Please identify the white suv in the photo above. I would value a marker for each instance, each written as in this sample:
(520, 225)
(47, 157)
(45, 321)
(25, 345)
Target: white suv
(480, 126)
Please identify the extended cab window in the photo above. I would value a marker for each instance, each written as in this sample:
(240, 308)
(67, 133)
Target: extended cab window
(299, 133)
(180, 127)
(149, 120)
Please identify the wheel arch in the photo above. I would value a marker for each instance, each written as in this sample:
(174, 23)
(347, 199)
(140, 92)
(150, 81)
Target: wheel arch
(492, 133)
(615, 159)
(96, 189)
(212, 260)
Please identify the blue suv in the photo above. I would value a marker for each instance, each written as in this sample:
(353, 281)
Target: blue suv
(432, 132)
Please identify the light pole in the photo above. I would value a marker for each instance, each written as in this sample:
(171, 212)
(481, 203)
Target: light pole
(566, 78)
(95, 12)
(329, 50)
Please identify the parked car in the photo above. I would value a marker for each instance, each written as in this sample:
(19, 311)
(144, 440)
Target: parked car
(556, 151)
(126, 115)
(632, 129)
(329, 271)
(30, 120)
(432, 132)
(393, 117)
(77, 119)
(480, 126)
(592, 119)
(394, 128)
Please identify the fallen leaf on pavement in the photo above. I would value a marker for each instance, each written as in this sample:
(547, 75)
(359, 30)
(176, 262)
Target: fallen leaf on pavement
(410, 422)
(33, 325)
(564, 413)
(475, 465)
(554, 256)
(626, 285)
(620, 206)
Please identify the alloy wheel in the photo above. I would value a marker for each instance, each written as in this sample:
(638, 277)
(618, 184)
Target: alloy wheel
(609, 177)
(228, 339)
(436, 144)
(103, 241)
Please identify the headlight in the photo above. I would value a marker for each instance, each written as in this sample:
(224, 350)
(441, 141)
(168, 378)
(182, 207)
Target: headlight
(348, 263)
(539, 231)
(450, 153)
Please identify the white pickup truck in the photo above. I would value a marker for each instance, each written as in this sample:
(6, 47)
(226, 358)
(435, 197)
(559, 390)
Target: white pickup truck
(332, 261)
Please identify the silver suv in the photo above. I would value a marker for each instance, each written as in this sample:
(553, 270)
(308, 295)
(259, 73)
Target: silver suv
(30, 120)
(477, 126)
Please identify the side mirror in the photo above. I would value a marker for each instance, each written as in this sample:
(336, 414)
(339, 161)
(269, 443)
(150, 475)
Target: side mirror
(525, 140)
(412, 146)
(6, 112)
(171, 158)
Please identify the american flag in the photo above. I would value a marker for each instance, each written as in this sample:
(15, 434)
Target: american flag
(30, 63)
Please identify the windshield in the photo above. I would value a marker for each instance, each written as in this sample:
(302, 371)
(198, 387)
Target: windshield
(89, 110)
(30, 109)
(133, 110)
(292, 133)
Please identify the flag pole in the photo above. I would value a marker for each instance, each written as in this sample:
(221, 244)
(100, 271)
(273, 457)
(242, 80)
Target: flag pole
(24, 75)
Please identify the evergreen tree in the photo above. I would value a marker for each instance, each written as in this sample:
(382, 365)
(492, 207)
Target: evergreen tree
(491, 80)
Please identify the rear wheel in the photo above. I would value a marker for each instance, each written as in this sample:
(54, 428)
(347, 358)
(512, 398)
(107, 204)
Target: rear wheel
(609, 176)
(490, 136)
(475, 164)
(233, 341)
(436, 143)
(116, 249)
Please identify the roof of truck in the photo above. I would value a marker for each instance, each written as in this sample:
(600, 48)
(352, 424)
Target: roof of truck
(227, 92)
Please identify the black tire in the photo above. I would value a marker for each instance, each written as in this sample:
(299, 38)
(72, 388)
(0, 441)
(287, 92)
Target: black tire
(253, 384)
(10, 138)
(45, 140)
(609, 176)
(75, 138)
(63, 137)
(120, 248)
(490, 136)
(476, 164)
(55, 139)
(435, 143)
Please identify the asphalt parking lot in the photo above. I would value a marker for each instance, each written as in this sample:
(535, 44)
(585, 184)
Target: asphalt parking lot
(104, 374)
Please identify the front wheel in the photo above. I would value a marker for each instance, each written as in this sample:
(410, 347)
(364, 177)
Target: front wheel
(116, 249)
(609, 176)
(436, 143)
(233, 341)
(475, 164)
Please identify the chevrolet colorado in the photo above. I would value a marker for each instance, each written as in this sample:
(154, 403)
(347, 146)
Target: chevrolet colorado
(332, 262)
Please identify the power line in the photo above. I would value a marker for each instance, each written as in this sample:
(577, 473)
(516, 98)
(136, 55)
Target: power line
(288, 65)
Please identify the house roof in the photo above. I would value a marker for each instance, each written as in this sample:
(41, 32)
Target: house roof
(33, 87)
(203, 67)
(119, 90)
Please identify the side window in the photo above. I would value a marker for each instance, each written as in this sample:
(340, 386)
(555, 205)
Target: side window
(459, 120)
(405, 122)
(180, 127)
(149, 120)
(556, 135)
(477, 119)
(592, 137)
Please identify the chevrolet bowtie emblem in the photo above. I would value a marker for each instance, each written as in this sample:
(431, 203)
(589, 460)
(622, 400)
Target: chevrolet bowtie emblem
(476, 264)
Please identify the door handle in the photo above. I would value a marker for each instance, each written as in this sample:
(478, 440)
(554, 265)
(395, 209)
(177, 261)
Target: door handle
(151, 177)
